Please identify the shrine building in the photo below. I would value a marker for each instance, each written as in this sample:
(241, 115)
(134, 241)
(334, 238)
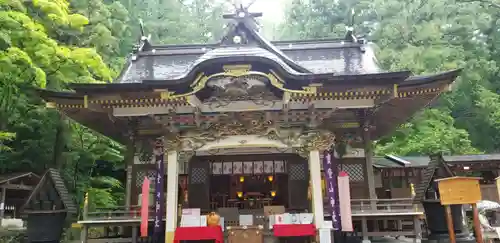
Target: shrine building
(243, 123)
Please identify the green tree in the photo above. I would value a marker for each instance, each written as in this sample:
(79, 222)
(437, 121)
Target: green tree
(5, 136)
(424, 36)
(430, 132)
(34, 54)
(109, 30)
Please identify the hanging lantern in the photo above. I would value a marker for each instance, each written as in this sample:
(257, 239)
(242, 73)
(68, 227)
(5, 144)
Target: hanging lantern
(242, 179)
(239, 194)
(273, 193)
(270, 178)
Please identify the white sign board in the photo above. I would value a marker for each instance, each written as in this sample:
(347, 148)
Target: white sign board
(191, 211)
(246, 220)
(190, 221)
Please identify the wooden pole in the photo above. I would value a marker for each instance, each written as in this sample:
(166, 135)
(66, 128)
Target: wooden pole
(477, 226)
(370, 179)
(86, 206)
(2, 203)
(449, 221)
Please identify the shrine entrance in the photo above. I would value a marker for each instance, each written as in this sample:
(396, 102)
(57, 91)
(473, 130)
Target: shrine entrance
(248, 182)
(232, 115)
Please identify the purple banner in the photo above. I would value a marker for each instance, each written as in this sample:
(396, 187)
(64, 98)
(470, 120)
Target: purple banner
(159, 182)
(331, 172)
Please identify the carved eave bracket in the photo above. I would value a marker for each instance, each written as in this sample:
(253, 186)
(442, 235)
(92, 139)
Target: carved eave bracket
(319, 140)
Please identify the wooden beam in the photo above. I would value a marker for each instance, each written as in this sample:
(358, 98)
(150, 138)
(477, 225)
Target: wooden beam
(45, 211)
(369, 162)
(16, 187)
(129, 161)
(2, 203)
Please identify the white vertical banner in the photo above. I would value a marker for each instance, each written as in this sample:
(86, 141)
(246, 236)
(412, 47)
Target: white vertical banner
(345, 201)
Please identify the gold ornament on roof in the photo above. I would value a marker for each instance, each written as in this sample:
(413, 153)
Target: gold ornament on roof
(236, 70)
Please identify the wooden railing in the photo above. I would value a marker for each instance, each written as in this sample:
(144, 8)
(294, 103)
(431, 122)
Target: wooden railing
(394, 217)
(357, 205)
(384, 205)
(120, 212)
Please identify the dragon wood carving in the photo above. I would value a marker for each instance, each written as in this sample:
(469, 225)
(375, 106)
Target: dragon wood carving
(245, 88)
(257, 123)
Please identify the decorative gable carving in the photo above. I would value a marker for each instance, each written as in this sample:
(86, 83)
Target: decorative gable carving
(248, 87)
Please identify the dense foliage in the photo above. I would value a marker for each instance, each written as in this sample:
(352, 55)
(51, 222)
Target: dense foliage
(50, 43)
(423, 36)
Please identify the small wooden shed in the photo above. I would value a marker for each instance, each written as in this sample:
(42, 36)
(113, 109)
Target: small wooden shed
(47, 209)
(15, 189)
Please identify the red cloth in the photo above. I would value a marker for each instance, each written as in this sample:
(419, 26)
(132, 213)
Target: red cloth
(199, 233)
(290, 230)
(145, 207)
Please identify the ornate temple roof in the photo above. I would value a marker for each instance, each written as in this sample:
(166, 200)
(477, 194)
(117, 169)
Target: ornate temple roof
(326, 74)
(335, 57)
(244, 43)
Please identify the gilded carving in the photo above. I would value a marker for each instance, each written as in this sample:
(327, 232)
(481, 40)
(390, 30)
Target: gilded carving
(255, 123)
(318, 140)
(228, 89)
(242, 71)
(238, 124)
(173, 143)
(237, 70)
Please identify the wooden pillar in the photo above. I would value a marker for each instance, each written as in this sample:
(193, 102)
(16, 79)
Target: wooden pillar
(135, 234)
(317, 197)
(84, 233)
(2, 203)
(364, 230)
(86, 206)
(172, 189)
(497, 182)
(449, 221)
(369, 165)
(417, 228)
(477, 224)
(129, 161)
(128, 188)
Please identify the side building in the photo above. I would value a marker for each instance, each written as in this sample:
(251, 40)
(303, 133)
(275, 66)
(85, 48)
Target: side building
(395, 174)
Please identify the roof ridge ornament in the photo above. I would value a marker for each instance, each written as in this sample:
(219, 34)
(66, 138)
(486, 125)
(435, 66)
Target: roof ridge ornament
(144, 43)
(241, 12)
(350, 34)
